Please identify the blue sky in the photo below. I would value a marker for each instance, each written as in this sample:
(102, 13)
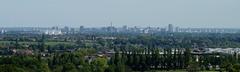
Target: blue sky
(98, 13)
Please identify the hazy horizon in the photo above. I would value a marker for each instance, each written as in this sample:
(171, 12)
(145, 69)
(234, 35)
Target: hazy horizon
(99, 13)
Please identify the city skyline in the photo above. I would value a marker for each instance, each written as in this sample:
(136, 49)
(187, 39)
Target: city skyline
(117, 26)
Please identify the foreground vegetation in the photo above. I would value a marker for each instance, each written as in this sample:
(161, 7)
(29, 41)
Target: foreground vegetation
(120, 62)
(118, 53)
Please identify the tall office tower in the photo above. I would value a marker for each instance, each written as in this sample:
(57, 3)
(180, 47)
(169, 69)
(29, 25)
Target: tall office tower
(81, 29)
(65, 29)
(170, 28)
(177, 29)
(125, 27)
(72, 31)
(111, 24)
(55, 27)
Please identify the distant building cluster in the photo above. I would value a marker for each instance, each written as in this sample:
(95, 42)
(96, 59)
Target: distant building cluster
(53, 31)
(111, 29)
(216, 50)
(3, 31)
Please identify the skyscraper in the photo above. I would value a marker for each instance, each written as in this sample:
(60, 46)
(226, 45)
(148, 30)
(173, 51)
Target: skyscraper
(72, 31)
(170, 28)
(65, 29)
(81, 28)
(177, 29)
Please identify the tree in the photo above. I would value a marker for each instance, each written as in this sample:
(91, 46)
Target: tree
(188, 57)
(193, 67)
(42, 43)
(11, 68)
(69, 67)
(17, 45)
(236, 67)
(99, 65)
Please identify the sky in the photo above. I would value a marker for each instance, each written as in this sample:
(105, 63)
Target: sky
(99, 13)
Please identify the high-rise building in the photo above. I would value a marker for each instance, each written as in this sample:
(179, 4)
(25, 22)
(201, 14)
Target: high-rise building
(55, 28)
(65, 29)
(72, 31)
(163, 30)
(177, 29)
(81, 29)
(125, 27)
(170, 28)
